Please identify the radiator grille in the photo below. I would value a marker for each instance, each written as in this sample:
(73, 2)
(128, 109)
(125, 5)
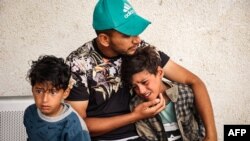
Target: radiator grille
(12, 128)
(11, 119)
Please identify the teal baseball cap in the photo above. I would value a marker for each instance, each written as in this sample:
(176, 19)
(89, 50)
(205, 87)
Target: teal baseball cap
(118, 15)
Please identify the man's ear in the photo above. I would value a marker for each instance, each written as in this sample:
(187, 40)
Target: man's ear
(103, 39)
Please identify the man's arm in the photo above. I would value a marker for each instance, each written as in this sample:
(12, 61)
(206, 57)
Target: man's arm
(100, 126)
(203, 104)
(79, 106)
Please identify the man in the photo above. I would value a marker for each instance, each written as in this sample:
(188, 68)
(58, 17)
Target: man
(99, 96)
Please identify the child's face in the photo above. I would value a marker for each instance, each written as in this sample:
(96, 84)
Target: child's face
(48, 98)
(147, 85)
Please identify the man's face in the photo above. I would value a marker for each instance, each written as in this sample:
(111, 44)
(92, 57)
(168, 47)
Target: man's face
(123, 44)
(147, 85)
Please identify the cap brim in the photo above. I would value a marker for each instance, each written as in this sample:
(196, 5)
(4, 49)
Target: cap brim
(134, 26)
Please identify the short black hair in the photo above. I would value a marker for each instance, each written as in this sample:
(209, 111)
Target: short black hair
(49, 68)
(145, 58)
(106, 31)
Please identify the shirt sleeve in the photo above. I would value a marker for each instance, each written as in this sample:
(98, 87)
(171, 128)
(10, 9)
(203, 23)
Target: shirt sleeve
(79, 92)
(164, 58)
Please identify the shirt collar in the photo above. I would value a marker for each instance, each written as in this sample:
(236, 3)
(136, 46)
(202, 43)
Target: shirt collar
(172, 92)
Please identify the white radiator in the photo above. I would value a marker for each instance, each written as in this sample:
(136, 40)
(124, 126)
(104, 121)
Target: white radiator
(11, 118)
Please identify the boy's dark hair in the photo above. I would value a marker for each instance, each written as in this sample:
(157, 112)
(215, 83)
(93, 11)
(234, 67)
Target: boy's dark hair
(145, 58)
(49, 68)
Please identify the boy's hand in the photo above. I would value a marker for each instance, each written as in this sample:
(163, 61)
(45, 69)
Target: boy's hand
(150, 108)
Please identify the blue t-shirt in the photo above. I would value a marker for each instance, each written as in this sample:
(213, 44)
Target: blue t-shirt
(68, 126)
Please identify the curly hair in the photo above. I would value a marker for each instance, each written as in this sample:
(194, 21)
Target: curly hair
(49, 68)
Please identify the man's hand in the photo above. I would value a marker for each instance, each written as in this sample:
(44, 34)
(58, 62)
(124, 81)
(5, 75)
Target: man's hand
(150, 108)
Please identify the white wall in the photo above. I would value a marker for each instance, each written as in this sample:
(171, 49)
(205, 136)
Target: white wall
(211, 38)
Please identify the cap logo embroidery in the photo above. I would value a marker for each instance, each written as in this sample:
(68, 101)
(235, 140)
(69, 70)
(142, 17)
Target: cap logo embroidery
(126, 7)
(128, 10)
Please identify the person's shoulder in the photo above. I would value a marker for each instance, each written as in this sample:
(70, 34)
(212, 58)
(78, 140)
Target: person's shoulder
(76, 126)
(78, 121)
(30, 112)
(82, 50)
(184, 90)
(30, 108)
(72, 114)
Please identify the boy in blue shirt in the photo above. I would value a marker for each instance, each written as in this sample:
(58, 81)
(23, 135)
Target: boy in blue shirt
(50, 119)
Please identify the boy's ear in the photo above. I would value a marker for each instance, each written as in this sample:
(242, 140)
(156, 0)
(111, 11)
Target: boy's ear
(66, 93)
(160, 71)
(103, 39)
